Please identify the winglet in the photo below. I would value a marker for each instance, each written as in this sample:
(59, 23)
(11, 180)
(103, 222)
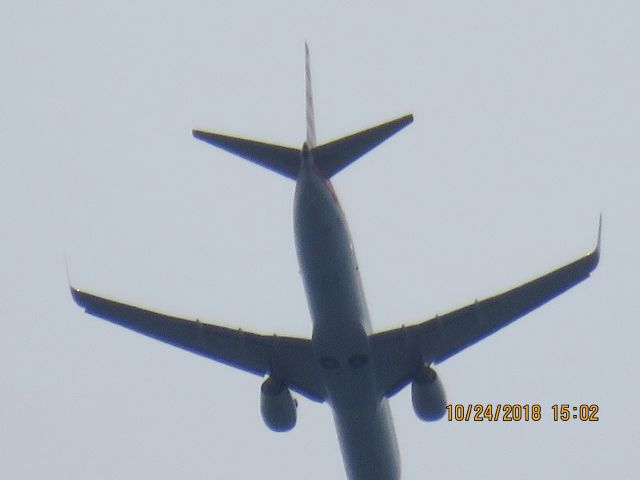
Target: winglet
(75, 292)
(593, 257)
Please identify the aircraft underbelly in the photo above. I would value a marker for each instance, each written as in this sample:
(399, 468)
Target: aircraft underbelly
(368, 442)
(327, 262)
(331, 278)
(341, 329)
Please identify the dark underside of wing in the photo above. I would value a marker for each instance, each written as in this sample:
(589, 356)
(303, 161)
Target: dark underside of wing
(398, 353)
(289, 359)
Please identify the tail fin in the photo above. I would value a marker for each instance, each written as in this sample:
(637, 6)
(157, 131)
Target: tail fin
(311, 119)
(329, 158)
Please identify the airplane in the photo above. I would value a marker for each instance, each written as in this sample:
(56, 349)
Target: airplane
(344, 363)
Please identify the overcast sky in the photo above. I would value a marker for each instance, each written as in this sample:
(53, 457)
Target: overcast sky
(526, 128)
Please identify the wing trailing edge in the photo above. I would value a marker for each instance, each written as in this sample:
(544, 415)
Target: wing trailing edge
(329, 158)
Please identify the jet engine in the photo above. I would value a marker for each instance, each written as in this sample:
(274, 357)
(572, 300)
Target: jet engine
(427, 395)
(277, 406)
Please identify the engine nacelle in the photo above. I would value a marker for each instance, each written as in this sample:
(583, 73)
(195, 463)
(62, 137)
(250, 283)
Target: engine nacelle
(427, 395)
(277, 406)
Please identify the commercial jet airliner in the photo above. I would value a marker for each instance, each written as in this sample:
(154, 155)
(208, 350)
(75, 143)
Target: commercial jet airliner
(345, 363)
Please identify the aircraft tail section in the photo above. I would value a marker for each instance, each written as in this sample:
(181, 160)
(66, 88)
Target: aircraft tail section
(329, 158)
(332, 157)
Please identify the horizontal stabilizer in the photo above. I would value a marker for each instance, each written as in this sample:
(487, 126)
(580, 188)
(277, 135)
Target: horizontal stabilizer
(332, 157)
(329, 158)
(280, 159)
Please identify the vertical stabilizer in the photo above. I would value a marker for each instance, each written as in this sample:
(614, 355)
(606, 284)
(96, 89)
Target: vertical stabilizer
(311, 121)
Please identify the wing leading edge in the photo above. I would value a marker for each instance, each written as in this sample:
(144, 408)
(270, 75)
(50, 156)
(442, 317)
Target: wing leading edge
(288, 359)
(398, 353)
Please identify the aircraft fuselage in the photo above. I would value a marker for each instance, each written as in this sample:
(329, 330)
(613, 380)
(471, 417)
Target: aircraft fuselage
(341, 328)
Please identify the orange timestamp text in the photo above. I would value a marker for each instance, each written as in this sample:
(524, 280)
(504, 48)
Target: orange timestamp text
(516, 412)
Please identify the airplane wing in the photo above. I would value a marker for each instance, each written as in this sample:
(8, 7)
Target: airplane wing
(398, 353)
(288, 359)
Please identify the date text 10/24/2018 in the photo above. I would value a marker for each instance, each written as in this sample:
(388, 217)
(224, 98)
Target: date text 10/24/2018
(516, 412)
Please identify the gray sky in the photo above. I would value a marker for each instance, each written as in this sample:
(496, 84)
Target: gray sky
(526, 128)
